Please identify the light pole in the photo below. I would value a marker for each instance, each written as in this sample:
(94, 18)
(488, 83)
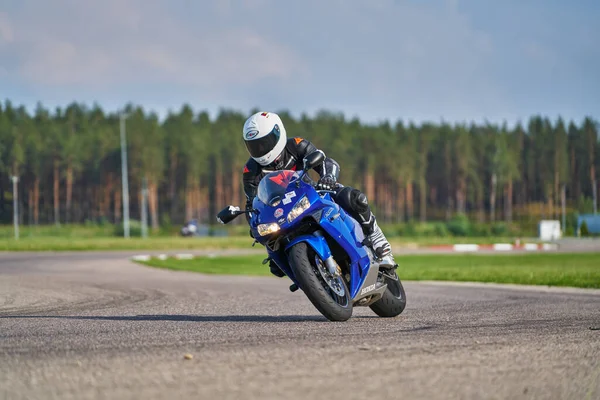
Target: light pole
(144, 208)
(15, 179)
(124, 176)
(563, 199)
(594, 196)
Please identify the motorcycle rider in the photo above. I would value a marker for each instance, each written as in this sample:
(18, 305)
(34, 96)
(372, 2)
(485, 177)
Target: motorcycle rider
(270, 150)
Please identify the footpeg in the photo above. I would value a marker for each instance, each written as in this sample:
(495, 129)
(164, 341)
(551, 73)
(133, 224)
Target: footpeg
(293, 287)
(387, 263)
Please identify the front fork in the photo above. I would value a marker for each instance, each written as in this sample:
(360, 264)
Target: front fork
(318, 243)
(332, 266)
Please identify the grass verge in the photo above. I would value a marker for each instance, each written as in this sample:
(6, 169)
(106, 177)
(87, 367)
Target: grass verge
(80, 242)
(571, 270)
(108, 243)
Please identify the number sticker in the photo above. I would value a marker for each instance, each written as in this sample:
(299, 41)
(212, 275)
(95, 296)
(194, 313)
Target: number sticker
(287, 199)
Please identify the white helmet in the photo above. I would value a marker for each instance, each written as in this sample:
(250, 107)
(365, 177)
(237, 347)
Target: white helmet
(265, 137)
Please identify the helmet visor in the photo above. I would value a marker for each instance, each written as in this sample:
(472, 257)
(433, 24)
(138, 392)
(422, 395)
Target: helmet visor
(260, 147)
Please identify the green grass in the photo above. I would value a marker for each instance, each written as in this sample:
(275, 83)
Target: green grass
(53, 231)
(98, 238)
(448, 240)
(115, 243)
(574, 270)
(226, 265)
(77, 240)
(105, 237)
(554, 269)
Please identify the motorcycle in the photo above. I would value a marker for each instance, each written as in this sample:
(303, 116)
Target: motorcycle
(319, 246)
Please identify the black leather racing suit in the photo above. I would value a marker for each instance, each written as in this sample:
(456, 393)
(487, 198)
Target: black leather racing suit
(353, 201)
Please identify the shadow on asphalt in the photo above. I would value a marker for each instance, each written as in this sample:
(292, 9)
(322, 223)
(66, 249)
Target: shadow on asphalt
(214, 318)
(191, 318)
(184, 318)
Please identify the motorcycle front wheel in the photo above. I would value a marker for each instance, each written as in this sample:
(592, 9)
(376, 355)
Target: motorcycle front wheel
(329, 294)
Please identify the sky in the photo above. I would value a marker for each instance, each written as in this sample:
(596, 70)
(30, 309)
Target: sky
(428, 60)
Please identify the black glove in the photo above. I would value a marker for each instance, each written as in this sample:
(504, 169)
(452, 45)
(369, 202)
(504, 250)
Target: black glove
(326, 182)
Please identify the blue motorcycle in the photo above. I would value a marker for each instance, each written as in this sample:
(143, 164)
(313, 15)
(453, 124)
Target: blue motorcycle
(319, 246)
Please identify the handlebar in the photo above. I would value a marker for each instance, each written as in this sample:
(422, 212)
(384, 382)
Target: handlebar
(314, 184)
(320, 191)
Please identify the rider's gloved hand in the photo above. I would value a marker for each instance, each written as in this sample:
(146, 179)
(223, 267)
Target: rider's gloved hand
(327, 182)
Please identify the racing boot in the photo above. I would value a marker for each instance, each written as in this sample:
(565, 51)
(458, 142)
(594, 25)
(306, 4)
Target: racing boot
(375, 238)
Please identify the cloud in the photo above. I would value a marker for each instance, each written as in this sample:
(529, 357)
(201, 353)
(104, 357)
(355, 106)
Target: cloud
(381, 59)
(239, 57)
(6, 33)
(539, 53)
(113, 42)
(409, 58)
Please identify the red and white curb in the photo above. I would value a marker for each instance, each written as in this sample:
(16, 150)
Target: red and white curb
(459, 248)
(468, 248)
(147, 257)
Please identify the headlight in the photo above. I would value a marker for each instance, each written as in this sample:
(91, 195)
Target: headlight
(298, 209)
(266, 229)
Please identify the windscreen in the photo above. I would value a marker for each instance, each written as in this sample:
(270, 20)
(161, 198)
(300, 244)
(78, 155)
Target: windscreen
(274, 185)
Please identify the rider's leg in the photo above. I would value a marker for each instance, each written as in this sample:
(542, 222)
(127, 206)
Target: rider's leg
(355, 203)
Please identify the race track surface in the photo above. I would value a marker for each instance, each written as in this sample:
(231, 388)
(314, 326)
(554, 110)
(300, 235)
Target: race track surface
(83, 326)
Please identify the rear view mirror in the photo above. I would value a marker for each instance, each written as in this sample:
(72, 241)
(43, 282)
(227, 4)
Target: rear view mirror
(313, 159)
(228, 214)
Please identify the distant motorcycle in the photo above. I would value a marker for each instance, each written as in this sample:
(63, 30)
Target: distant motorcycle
(189, 229)
(193, 228)
(319, 246)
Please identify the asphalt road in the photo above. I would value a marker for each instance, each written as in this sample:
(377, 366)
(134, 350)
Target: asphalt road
(93, 326)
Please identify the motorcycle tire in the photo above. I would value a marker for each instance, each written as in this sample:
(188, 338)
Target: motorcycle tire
(314, 286)
(393, 301)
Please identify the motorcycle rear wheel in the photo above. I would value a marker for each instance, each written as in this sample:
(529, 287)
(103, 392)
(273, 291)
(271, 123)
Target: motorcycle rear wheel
(329, 303)
(393, 301)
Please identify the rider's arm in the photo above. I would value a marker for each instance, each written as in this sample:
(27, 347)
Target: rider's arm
(251, 179)
(329, 167)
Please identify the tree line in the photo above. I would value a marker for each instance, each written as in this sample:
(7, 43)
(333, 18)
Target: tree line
(68, 162)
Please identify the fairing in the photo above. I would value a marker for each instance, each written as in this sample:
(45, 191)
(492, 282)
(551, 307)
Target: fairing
(281, 188)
